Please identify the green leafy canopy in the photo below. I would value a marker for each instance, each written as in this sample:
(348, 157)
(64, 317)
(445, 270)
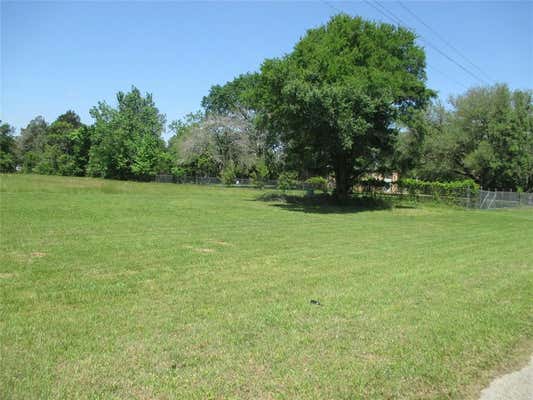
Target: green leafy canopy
(341, 91)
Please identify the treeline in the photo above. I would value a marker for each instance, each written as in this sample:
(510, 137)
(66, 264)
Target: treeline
(124, 142)
(350, 101)
(486, 135)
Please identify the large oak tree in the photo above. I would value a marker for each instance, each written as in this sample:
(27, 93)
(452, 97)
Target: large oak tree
(339, 95)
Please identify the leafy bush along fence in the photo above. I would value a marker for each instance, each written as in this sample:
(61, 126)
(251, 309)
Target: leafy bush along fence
(464, 193)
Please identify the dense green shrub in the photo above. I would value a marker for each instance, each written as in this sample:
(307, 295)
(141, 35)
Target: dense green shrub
(445, 191)
(287, 180)
(259, 175)
(317, 183)
(179, 172)
(228, 175)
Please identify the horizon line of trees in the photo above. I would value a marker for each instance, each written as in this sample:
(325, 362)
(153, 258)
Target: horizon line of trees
(349, 101)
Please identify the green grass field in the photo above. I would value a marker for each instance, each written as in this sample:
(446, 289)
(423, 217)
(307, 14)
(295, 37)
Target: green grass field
(158, 291)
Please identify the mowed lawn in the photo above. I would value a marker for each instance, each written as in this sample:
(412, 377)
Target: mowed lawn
(158, 291)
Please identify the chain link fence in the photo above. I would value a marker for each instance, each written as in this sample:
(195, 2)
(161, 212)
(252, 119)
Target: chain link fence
(480, 199)
(211, 180)
(237, 182)
(503, 199)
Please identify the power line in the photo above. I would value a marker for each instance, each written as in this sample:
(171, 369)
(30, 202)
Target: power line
(443, 39)
(395, 19)
(447, 76)
(334, 8)
(383, 11)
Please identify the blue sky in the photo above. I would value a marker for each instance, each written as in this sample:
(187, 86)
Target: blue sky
(70, 55)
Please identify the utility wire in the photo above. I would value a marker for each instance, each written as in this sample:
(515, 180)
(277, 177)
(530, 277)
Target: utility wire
(334, 8)
(395, 19)
(447, 76)
(392, 18)
(443, 39)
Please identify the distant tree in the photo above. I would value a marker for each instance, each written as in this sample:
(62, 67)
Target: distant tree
(238, 99)
(414, 138)
(181, 129)
(234, 97)
(31, 143)
(71, 118)
(66, 147)
(486, 136)
(219, 142)
(126, 141)
(8, 148)
(338, 97)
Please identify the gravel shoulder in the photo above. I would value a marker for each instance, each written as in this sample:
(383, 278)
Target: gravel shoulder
(516, 385)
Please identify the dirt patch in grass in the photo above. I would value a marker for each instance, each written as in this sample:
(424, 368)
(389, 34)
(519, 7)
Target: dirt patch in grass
(204, 250)
(37, 254)
(7, 275)
(373, 358)
(102, 274)
(221, 243)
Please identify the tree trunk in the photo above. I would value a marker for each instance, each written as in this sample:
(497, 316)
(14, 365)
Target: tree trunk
(343, 182)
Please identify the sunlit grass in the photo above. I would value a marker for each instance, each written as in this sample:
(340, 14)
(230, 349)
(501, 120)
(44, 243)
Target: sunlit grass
(140, 290)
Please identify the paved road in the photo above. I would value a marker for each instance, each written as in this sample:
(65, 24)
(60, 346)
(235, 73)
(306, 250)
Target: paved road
(514, 386)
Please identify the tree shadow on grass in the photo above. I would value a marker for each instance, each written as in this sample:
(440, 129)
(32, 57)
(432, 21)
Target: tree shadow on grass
(325, 203)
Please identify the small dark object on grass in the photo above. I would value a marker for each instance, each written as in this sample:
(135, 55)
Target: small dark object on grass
(315, 302)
